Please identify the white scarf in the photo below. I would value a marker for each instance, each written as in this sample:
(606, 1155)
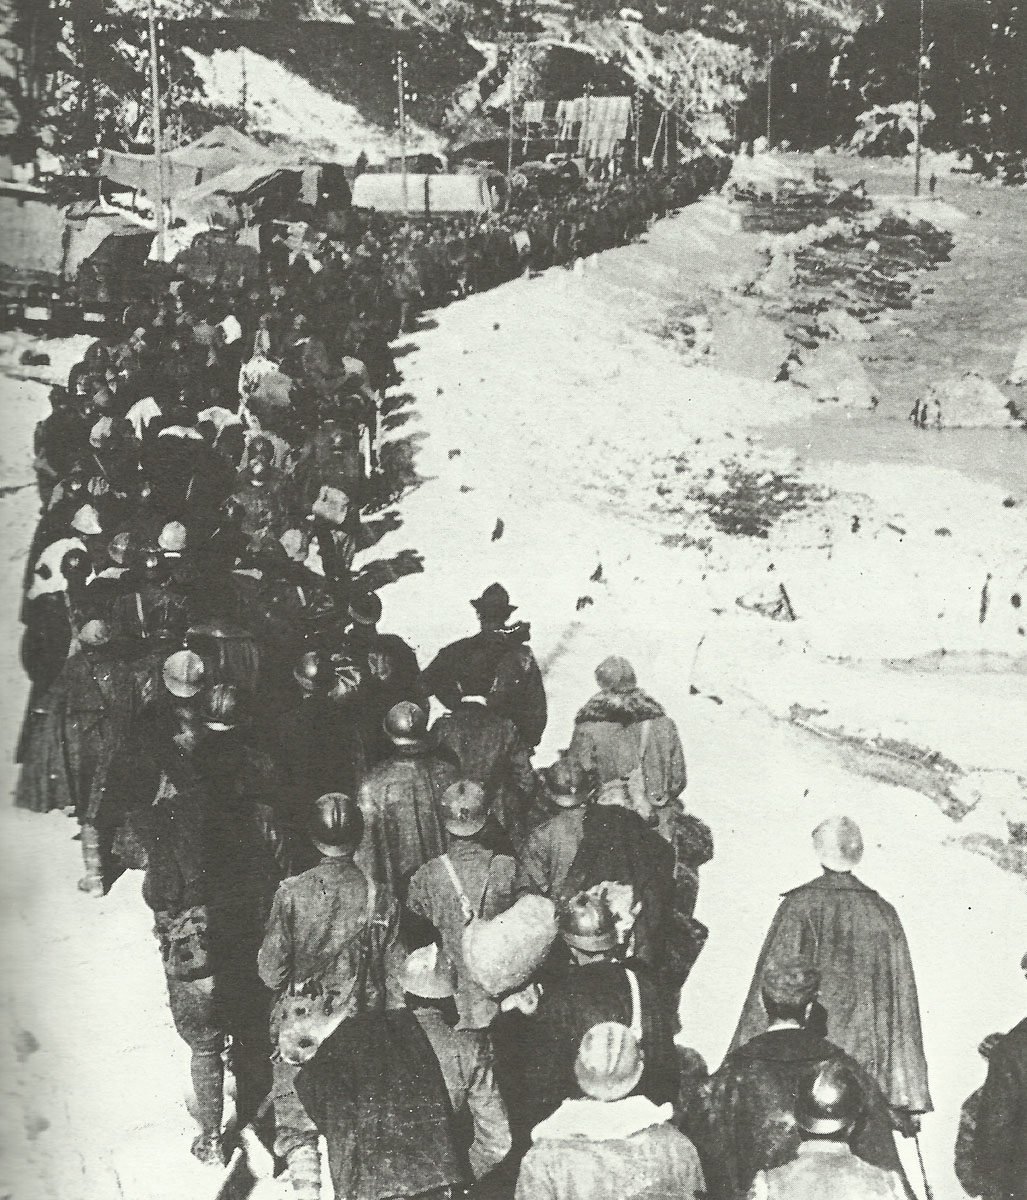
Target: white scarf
(596, 1121)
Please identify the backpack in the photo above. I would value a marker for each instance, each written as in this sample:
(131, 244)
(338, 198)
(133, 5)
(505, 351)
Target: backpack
(629, 790)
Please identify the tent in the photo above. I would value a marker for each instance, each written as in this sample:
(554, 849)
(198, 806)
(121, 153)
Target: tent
(425, 194)
(218, 201)
(211, 154)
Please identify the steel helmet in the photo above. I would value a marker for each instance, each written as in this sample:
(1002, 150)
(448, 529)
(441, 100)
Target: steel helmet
(86, 520)
(172, 539)
(336, 824)
(95, 633)
(406, 724)
(830, 1103)
(345, 677)
(464, 808)
(567, 783)
(586, 923)
(609, 1063)
(429, 973)
(309, 672)
(75, 563)
(365, 608)
(119, 548)
(222, 707)
(183, 674)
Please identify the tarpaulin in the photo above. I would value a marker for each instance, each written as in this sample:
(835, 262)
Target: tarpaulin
(211, 154)
(600, 123)
(431, 193)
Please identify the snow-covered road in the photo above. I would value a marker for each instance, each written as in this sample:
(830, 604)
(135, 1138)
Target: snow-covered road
(549, 403)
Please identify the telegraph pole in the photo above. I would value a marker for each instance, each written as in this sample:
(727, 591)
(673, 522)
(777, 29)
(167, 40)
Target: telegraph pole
(158, 149)
(919, 103)
(513, 105)
(402, 115)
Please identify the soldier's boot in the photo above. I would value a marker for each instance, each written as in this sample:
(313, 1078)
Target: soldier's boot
(208, 1075)
(92, 881)
(304, 1163)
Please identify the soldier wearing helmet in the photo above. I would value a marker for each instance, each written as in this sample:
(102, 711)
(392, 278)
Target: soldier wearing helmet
(829, 1106)
(747, 1120)
(613, 1143)
(400, 801)
(318, 735)
(550, 850)
(469, 882)
(855, 939)
(332, 938)
(592, 982)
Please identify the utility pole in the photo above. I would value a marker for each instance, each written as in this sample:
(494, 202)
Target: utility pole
(584, 125)
(158, 149)
(513, 106)
(770, 73)
(402, 117)
(919, 102)
(638, 128)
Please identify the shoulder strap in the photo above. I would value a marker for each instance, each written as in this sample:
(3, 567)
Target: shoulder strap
(465, 904)
(647, 728)
(635, 1024)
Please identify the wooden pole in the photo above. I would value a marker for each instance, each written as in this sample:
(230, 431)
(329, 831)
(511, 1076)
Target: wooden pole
(919, 102)
(770, 76)
(638, 128)
(402, 129)
(158, 150)
(513, 105)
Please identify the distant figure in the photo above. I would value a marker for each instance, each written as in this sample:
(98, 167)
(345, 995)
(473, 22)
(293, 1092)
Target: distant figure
(856, 941)
(932, 183)
(827, 1111)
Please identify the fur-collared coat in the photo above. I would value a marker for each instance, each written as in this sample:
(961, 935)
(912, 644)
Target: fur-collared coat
(608, 738)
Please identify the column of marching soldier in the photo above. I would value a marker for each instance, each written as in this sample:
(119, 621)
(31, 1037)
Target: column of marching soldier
(459, 969)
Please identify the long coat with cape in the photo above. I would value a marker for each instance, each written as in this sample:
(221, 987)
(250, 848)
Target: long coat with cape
(867, 985)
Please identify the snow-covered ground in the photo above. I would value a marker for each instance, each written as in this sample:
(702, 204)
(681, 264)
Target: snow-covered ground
(291, 111)
(551, 404)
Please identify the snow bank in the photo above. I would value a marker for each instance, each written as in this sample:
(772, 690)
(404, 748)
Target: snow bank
(285, 106)
(971, 402)
(1018, 375)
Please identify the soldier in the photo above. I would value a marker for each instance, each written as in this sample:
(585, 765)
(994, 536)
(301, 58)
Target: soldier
(500, 656)
(745, 1121)
(827, 1111)
(611, 1144)
(856, 941)
(465, 1056)
(469, 882)
(400, 800)
(331, 941)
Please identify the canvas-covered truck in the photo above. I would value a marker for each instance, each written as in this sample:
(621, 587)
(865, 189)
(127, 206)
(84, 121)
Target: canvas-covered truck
(66, 267)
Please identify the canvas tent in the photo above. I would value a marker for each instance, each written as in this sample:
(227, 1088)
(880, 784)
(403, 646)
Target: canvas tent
(424, 194)
(211, 154)
(219, 201)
